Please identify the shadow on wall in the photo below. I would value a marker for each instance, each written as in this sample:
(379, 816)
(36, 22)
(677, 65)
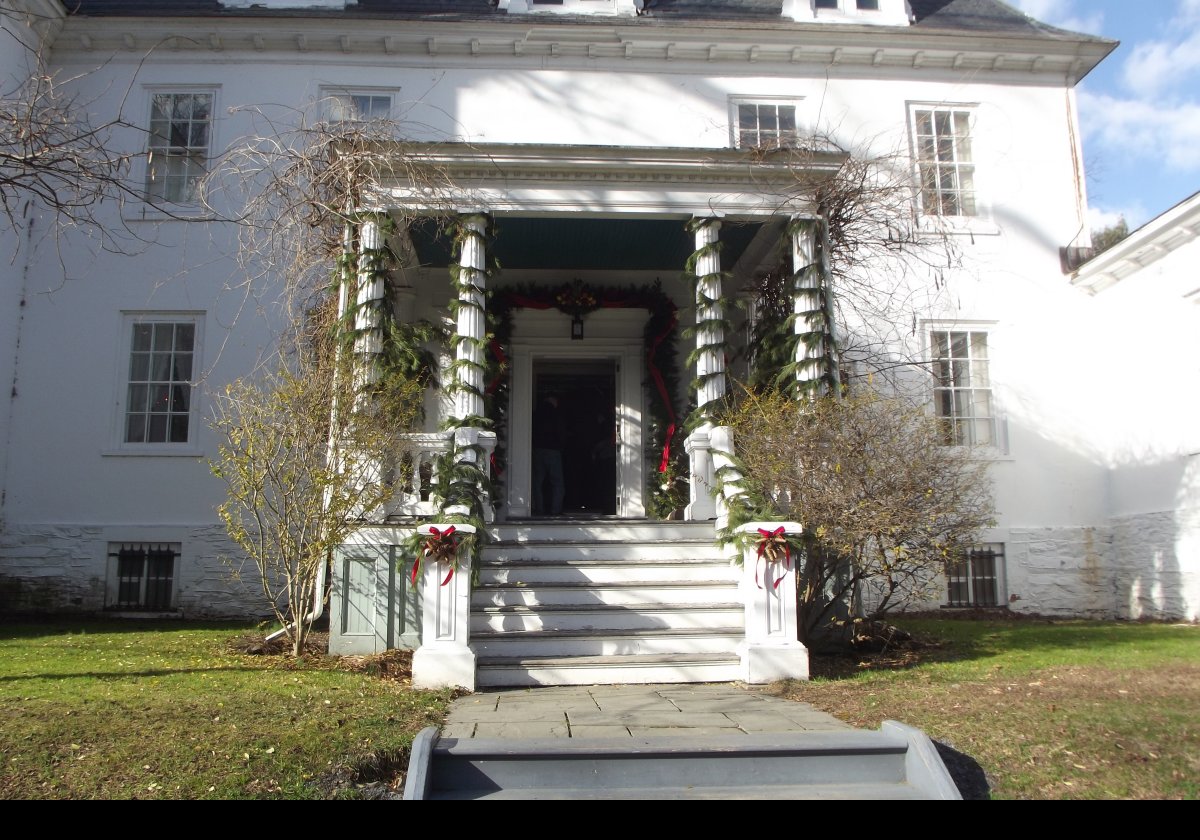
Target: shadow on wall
(1158, 556)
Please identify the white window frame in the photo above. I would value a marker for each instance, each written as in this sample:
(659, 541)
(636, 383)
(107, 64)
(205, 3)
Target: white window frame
(736, 103)
(151, 91)
(124, 369)
(112, 600)
(971, 580)
(334, 96)
(979, 381)
(959, 165)
(572, 7)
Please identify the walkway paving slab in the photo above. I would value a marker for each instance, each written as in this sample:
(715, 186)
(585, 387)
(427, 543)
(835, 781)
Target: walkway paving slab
(630, 711)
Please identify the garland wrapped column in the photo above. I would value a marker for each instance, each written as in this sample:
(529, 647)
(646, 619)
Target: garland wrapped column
(368, 326)
(815, 362)
(709, 357)
(472, 321)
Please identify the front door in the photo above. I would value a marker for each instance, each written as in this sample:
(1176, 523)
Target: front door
(573, 463)
(599, 383)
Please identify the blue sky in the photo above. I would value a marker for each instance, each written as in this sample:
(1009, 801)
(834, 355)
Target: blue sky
(1140, 109)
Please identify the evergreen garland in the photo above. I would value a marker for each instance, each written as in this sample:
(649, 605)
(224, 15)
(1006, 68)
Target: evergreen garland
(664, 433)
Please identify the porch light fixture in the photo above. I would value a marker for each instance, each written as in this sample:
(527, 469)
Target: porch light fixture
(577, 328)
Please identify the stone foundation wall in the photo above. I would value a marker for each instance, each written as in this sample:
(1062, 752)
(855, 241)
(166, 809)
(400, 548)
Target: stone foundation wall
(1157, 568)
(1060, 571)
(51, 569)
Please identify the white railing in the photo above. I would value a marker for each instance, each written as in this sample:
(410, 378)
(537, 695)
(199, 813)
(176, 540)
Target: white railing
(415, 474)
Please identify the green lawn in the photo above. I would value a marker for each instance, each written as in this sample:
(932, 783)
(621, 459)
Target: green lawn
(124, 710)
(1049, 710)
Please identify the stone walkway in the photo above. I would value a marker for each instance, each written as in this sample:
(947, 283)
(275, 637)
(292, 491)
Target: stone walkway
(622, 711)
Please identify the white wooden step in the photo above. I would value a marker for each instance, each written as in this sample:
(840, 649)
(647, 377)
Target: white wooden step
(607, 617)
(610, 670)
(603, 530)
(611, 643)
(642, 551)
(605, 571)
(590, 592)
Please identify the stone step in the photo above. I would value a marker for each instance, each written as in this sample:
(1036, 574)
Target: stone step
(894, 762)
(607, 617)
(609, 670)
(550, 643)
(611, 593)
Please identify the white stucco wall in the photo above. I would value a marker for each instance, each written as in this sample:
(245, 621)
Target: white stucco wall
(1069, 508)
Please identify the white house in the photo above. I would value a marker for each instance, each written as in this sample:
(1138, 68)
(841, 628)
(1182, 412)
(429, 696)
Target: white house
(599, 143)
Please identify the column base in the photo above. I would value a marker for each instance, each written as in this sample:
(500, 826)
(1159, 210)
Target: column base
(763, 664)
(444, 666)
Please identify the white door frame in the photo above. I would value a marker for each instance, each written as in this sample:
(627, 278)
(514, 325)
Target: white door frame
(631, 457)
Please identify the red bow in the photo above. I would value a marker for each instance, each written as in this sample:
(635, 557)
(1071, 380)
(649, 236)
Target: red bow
(769, 544)
(442, 547)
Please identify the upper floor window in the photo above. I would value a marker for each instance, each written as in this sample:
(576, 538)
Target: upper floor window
(765, 125)
(343, 105)
(159, 405)
(963, 387)
(945, 163)
(180, 145)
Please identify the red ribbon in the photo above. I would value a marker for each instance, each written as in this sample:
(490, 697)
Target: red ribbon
(435, 536)
(661, 385)
(767, 538)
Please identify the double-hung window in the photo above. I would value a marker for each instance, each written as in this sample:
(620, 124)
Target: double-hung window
(764, 124)
(962, 388)
(945, 161)
(159, 401)
(180, 145)
(357, 104)
(975, 579)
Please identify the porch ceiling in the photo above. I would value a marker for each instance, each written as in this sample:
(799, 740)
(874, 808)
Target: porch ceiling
(577, 244)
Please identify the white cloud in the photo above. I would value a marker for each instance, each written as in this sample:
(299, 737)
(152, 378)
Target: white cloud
(1063, 14)
(1155, 66)
(1157, 131)
(1101, 216)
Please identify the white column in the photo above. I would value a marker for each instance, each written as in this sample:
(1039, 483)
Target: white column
(771, 650)
(369, 342)
(807, 303)
(445, 657)
(708, 288)
(472, 320)
(711, 389)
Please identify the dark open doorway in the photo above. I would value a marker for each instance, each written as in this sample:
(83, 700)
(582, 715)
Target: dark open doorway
(585, 392)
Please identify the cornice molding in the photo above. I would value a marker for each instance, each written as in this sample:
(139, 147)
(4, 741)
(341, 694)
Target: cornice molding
(1141, 249)
(498, 43)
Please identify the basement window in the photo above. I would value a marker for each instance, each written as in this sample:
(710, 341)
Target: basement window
(975, 579)
(142, 576)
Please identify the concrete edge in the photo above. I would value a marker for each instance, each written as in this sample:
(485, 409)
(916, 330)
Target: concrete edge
(924, 767)
(420, 764)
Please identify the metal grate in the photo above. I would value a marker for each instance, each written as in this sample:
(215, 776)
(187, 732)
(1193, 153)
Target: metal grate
(145, 575)
(973, 581)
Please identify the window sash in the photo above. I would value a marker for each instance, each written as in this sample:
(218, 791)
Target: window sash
(962, 387)
(158, 397)
(766, 125)
(179, 145)
(945, 164)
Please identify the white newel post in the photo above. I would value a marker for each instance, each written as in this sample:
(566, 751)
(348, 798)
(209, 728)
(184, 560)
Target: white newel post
(445, 657)
(771, 650)
(806, 300)
(710, 369)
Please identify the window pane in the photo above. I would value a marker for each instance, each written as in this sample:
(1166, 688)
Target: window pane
(180, 395)
(160, 369)
(137, 398)
(135, 428)
(141, 336)
(157, 432)
(139, 367)
(183, 367)
(164, 336)
(185, 336)
(787, 118)
(179, 429)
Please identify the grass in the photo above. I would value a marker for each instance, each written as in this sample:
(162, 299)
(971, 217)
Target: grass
(137, 710)
(1049, 710)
